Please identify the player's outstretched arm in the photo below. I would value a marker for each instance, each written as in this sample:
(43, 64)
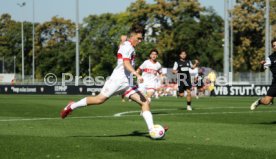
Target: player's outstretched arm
(195, 64)
(175, 66)
(129, 67)
(174, 71)
(262, 66)
(265, 63)
(139, 71)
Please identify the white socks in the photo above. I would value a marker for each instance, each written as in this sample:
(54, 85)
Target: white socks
(148, 118)
(78, 104)
(156, 95)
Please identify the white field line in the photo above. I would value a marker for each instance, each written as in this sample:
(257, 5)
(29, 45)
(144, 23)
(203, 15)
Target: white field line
(129, 113)
(137, 111)
(57, 118)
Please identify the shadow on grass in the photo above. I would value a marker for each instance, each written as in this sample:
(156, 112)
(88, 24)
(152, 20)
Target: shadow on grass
(134, 133)
(184, 108)
(268, 123)
(156, 113)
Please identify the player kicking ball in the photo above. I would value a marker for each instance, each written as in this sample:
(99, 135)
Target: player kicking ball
(120, 81)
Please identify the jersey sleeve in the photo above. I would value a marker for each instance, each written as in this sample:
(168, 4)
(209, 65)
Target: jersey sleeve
(142, 66)
(159, 69)
(267, 63)
(191, 64)
(125, 51)
(175, 66)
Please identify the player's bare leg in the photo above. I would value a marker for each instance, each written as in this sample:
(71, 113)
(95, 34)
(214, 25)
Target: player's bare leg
(99, 99)
(123, 98)
(149, 95)
(196, 90)
(87, 101)
(265, 101)
(156, 93)
(145, 107)
(181, 95)
(189, 98)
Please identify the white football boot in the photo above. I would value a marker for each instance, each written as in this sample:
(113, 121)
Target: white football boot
(189, 108)
(255, 104)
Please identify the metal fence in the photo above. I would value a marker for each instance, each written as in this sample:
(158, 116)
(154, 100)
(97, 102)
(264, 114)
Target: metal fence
(243, 78)
(238, 78)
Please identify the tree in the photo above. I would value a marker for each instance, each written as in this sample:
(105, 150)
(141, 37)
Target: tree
(99, 39)
(249, 24)
(55, 47)
(55, 31)
(273, 17)
(174, 25)
(170, 26)
(208, 42)
(10, 40)
(57, 59)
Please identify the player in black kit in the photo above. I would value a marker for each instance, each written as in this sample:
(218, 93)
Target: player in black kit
(270, 62)
(181, 68)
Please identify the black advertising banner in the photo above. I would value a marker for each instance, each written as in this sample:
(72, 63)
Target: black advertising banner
(235, 90)
(43, 89)
(241, 90)
(26, 89)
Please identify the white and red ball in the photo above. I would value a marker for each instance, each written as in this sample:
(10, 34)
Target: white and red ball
(157, 132)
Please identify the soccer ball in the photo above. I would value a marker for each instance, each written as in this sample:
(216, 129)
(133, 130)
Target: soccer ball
(157, 132)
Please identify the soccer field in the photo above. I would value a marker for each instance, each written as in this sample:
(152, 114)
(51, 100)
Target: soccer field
(217, 128)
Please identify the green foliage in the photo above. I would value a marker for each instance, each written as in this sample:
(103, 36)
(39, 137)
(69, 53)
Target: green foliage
(55, 50)
(142, 52)
(170, 26)
(273, 17)
(209, 41)
(249, 25)
(139, 11)
(10, 39)
(55, 31)
(100, 40)
(57, 59)
(175, 25)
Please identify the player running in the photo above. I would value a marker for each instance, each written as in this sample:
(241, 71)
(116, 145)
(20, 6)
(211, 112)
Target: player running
(270, 62)
(150, 69)
(181, 68)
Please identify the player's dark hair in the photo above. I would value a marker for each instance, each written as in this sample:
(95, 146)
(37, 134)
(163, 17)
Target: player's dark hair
(182, 51)
(187, 56)
(154, 50)
(272, 41)
(136, 30)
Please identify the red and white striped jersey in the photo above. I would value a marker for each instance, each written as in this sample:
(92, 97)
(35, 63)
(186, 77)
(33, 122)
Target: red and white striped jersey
(150, 71)
(126, 52)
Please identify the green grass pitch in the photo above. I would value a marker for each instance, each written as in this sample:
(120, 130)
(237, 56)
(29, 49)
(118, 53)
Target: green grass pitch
(217, 128)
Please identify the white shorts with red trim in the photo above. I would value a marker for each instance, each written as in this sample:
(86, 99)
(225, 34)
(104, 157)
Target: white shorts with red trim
(149, 87)
(115, 86)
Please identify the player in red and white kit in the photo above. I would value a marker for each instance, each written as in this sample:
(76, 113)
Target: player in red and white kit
(151, 69)
(120, 81)
(194, 76)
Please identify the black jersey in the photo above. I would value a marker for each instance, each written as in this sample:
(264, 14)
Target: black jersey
(182, 66)
(271, 63)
